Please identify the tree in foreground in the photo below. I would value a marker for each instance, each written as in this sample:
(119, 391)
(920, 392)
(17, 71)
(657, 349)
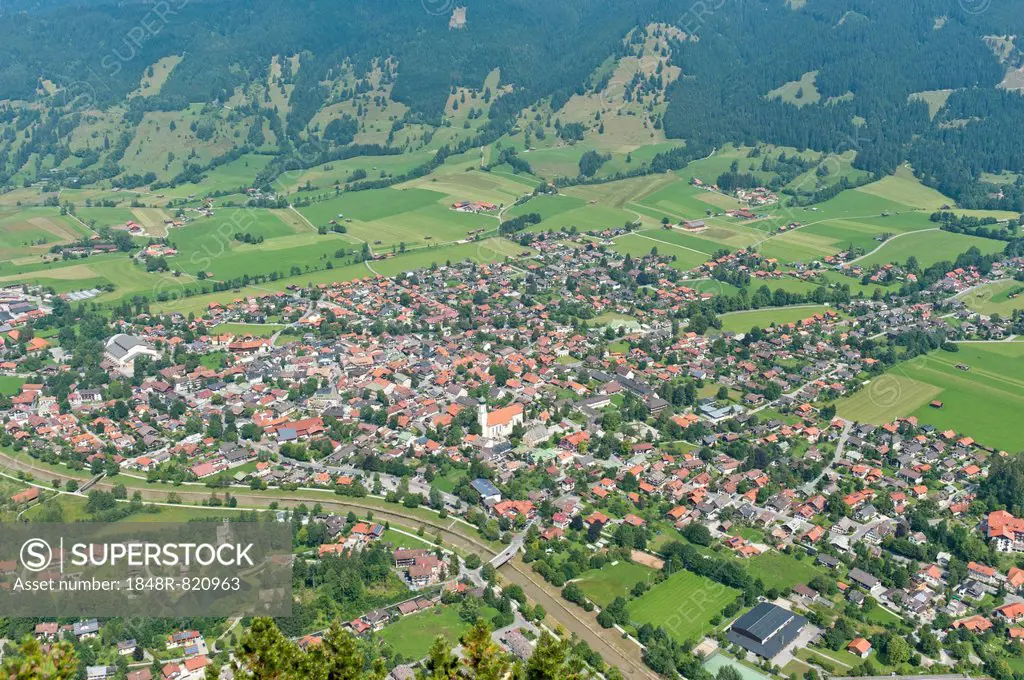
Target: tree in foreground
(266, 654)
(481, 659)
(29, 662)
(553, 659)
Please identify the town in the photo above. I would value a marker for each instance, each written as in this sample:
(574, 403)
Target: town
(573, 440)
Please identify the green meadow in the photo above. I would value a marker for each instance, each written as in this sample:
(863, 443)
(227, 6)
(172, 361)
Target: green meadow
(984, 400)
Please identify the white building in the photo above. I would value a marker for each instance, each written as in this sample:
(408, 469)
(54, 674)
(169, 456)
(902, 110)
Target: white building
(122, 350)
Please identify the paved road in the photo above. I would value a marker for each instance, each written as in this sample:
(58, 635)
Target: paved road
(388, 482)
(888, 241)
(808, 488)
(608, 643)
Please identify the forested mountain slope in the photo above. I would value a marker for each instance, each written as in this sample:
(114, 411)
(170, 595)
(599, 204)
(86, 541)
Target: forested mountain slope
(130, 93)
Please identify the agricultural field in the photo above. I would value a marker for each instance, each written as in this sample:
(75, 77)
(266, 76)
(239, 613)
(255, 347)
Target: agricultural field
(929, 247)
(210, 245)
(484, 251)
(117, 270)
(334, 173)
(681, 200)
(603, 585)
(640, 244)
(30, 232)
(983, 399)
(238, 174)
(387, 218)
(683, 604)
(1002, 297)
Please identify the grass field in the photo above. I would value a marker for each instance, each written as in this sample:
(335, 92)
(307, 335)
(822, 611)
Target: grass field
(389, 217)
(982, 402)
(256, 330)
(118, 270)
(994, 298)
(778, 570)
(10, 385)
(640, 244)
(74, 510)
(930, 247)
(683, 604)
(411, 636)
(488, 250)
(603, 585)
(31, 231)
(741, 322)
(338, 172)
(798, 92)
(210, 245)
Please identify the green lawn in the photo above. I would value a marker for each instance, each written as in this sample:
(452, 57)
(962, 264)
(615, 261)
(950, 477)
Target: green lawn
(603, 585)
(930, 247)
(778, 570)
(983, 402)
(258, 330)
(411, 636)
(995, 298)
(882, 617)
(400, 540)
(683, 604)
(741, 322)
(10, 385)
(447, 481)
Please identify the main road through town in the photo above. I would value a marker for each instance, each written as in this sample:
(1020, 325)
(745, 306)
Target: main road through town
(609, 643)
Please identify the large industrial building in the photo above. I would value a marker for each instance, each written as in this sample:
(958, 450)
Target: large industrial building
(766, 629)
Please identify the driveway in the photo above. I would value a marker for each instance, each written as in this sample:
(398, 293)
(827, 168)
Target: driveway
(809, 633)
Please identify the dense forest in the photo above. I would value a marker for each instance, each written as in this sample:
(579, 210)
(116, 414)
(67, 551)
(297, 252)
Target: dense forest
(868, 58)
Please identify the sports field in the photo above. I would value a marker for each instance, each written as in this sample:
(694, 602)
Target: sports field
(603, 585)
(983, 399)
(10, 385)
(683, 604)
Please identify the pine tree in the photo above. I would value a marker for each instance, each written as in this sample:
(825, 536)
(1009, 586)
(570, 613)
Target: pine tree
(482, 657)
(28, 662)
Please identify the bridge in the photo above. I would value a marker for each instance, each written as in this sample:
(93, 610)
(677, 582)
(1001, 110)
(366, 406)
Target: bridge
(85, 487)
(506, 554)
